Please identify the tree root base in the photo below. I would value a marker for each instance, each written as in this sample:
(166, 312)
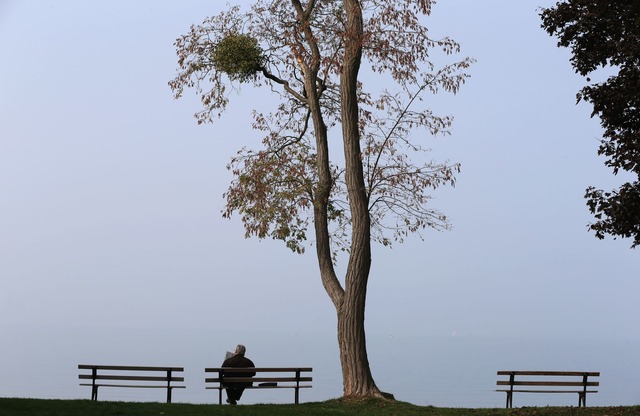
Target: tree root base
(379, 395)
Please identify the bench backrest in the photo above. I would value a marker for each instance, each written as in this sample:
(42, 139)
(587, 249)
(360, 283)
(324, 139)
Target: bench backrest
(557, 379)
(263, 374)
(131, 373)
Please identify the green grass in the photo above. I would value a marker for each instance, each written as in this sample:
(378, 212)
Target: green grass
(41, 407)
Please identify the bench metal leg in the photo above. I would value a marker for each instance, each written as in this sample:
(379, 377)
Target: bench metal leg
(512, 376)
(94, 388)
(297, 385)
(169, 386)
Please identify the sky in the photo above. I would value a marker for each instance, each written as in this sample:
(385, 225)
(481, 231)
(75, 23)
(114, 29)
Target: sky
(111, 195)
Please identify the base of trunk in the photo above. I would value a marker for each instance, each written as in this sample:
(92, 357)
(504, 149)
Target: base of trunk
(373, 395)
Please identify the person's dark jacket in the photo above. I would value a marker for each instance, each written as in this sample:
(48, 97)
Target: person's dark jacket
(238, 361)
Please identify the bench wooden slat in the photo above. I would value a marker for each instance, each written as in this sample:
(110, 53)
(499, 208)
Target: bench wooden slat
(547, 383)
(139, 386)
(128, 368)
(550, 391)
(129, 378)
(258, 369)
(550, 373)
(258, 379)
(302, 386)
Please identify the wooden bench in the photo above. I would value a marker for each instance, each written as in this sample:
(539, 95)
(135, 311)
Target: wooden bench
(558, 381)
(265, 379)
(131, 377)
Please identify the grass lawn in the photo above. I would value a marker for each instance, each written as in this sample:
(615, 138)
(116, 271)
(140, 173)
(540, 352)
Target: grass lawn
(42, 407)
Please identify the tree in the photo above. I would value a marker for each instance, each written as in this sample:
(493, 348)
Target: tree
(310, 53)
(606, 34)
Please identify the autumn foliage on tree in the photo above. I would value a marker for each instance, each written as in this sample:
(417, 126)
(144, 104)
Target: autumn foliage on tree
(314, 55)
(606, 34)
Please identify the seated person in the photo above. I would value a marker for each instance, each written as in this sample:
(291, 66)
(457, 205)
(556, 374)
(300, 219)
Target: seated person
(234, 390)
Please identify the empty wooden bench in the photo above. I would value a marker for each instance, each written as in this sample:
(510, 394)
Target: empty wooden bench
(548, 382)
(265, 378)
(131, 377)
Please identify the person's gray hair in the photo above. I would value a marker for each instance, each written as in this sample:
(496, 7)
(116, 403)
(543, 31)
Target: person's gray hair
(240, 349)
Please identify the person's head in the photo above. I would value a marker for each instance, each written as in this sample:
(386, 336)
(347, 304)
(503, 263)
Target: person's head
(240, 350)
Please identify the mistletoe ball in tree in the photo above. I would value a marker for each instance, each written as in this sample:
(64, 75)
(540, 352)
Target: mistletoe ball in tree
(238, 56)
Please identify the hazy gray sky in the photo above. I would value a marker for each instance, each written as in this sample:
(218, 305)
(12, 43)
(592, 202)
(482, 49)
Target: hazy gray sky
(111, 195)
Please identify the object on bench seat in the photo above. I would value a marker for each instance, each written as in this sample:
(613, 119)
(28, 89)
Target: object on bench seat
(131, 377)
(537, 380)
(264, 377)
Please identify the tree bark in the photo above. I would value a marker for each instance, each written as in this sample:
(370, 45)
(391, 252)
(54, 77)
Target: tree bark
(322, 192)
(356, 373)
(350, 300)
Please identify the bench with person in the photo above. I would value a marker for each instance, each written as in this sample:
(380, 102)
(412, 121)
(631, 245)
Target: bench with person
(265, 378)
(548, 382)
(131, 377)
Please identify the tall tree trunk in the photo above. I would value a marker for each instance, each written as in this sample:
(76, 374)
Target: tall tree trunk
(350, 300)
(322, 192)
(356, 373)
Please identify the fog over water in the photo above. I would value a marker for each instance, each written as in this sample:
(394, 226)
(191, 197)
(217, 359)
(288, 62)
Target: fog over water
(444, 372)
